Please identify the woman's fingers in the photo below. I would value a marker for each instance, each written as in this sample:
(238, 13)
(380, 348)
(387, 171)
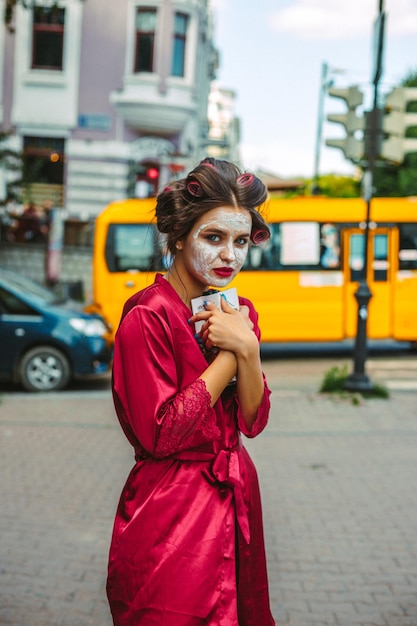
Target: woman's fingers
(244, 310)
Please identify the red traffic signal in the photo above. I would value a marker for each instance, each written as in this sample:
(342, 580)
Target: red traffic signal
(152, 173)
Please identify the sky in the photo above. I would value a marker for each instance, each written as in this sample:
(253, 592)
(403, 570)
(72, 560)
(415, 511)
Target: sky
(271, 56)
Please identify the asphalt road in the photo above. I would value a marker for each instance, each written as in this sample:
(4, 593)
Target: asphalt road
(324, 354)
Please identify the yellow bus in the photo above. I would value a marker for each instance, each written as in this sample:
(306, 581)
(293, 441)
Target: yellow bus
(302, 281)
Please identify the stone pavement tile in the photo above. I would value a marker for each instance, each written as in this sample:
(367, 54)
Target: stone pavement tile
(62, 469)
(338, 491)
(339, 509)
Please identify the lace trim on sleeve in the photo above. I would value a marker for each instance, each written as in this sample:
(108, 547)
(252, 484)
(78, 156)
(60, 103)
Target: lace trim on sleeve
(186, 421)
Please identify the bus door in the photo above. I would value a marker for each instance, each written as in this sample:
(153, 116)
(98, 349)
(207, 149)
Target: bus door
(405, 300)
(379, 279)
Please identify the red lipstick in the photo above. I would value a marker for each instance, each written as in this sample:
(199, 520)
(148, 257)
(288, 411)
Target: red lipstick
(224, 272)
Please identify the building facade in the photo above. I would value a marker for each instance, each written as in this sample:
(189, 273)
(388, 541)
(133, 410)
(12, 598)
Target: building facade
(224, 126)
(109, 99)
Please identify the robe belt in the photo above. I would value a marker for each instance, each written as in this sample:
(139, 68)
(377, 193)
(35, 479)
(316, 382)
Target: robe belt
(224, 471)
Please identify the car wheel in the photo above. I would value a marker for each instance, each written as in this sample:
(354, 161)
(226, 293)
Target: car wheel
(44, 369)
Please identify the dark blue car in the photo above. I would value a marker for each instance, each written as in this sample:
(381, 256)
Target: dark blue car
(44, 342)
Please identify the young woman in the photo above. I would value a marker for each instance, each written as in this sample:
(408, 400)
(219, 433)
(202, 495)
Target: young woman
(187, 546)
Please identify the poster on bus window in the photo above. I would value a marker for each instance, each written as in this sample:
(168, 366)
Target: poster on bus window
(300, 243)
(330, 248)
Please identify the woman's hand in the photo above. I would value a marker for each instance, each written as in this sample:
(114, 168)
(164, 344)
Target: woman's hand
(227, 329)
(232, 332)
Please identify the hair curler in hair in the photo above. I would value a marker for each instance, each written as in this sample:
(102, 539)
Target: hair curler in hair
(194, 189)
(207, 164)
(259, 236)
(245, 179)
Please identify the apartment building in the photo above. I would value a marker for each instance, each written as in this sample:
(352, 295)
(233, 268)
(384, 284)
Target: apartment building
(108, 99)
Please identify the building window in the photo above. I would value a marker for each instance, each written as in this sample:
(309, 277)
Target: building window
(180, 36)
(48, 38)
(145, 40)
(43, 159)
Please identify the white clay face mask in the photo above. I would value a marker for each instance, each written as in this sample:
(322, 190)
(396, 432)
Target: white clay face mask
(219, 246)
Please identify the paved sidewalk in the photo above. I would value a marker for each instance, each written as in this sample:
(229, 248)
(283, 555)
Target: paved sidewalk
(340, 506)
(339, 496)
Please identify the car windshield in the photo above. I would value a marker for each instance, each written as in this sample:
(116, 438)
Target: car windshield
(26, 286)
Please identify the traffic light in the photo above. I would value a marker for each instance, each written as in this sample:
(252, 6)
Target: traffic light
(152, 174)
(398, 119)
(152, 177)
(352, 147)
(146, 179)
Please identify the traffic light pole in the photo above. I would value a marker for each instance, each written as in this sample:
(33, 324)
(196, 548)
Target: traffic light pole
(358, 380)
(323, 84)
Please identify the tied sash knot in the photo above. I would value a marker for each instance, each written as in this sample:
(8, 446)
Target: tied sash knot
(225, 471)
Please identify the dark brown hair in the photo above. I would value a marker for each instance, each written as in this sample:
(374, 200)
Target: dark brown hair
(213, 183)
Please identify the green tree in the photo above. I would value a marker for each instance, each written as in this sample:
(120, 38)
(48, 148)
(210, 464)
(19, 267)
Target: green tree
(410, 81)
(9, 10)
(338, 186)
(400, 180)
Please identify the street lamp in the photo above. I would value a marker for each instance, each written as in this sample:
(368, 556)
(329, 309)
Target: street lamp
(358, 379)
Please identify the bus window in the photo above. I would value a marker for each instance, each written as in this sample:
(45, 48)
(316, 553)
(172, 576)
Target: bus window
(132, 247)
(296, 246)
(265, 256)
(356, 257)
(380, 262)
(408, 247)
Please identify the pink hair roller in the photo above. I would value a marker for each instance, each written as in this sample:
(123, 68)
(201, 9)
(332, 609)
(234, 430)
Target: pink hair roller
(194, 189)
(259, 236)
(245, 179)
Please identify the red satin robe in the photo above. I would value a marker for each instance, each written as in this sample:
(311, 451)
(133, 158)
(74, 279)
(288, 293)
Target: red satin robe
(187, 546)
